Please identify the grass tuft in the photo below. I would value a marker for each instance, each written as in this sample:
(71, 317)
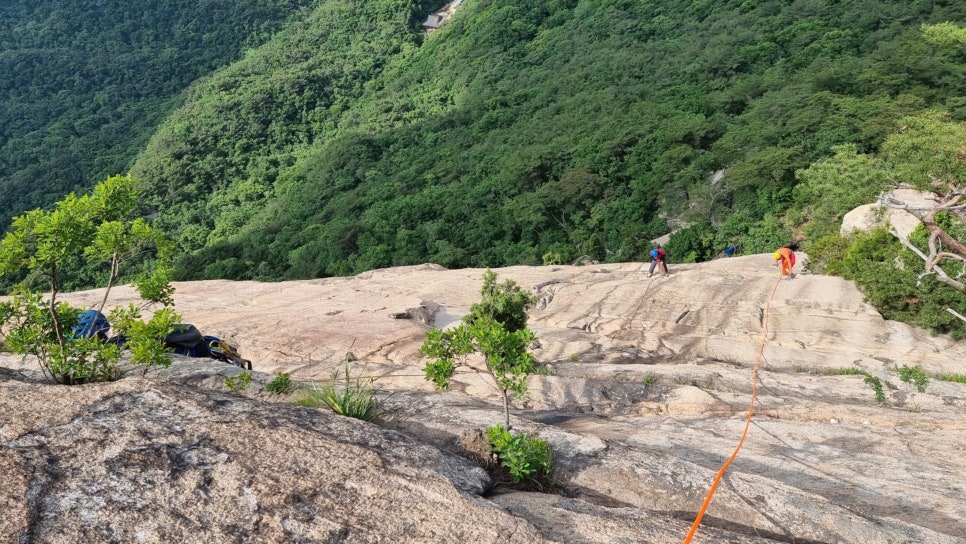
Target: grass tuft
(351, 397)
(848, 371)
(950, 377)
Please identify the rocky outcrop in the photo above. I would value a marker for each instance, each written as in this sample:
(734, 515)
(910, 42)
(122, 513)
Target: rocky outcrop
(900, 221)
(646, 393)
(154, 461)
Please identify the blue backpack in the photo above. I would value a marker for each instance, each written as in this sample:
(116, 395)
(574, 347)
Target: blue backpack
(91, 324)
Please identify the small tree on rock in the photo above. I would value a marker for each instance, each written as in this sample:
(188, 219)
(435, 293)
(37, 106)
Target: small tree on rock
(94, 229)
(496, 329)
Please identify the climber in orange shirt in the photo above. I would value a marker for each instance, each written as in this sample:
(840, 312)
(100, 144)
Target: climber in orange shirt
(785, 258)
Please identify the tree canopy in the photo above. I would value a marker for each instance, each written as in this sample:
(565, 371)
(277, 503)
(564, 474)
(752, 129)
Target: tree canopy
(545, 130)
(86, 83)
(329, 137)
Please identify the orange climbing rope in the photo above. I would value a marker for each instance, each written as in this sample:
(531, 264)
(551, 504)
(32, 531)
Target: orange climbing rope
(751, 411)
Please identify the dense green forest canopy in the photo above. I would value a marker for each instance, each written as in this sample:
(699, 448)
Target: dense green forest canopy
(277, 140)
(85, 82)
(537, 131)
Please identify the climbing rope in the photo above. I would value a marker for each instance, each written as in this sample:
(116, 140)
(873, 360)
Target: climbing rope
(751, 411)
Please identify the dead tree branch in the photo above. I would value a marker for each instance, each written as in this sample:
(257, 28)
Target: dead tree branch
(942, 246)
(941, 276)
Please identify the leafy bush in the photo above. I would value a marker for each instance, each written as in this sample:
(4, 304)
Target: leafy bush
(559, 253)
(239, 383)
(876, 385)
(914, 375)
(96, 231)
(831, 188)
(524, 456)
(693, 244)
(280, 385)
(887, 274)
(765, 236)
(826, 254)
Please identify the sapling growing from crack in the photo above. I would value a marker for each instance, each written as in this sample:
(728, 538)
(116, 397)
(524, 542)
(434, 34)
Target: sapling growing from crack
(496, 329)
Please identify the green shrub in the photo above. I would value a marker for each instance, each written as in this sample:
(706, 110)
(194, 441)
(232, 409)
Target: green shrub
(876, 385)
(847, 371)
(826, 254)
(280, 385)
(99, 231)
(765, 236)
(239, 383)
(560, 253)
(495, 328)
(914, 375)
(693, 244)
(524, 456)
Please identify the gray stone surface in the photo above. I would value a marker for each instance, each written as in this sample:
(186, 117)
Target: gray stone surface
(647, 394)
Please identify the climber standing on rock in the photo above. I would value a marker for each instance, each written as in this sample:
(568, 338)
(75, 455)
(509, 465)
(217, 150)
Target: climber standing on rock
(785, 259)
(658, 260)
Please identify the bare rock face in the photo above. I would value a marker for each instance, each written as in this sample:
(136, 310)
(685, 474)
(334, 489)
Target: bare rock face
(646, 394)
(153, 461)
(869, 216)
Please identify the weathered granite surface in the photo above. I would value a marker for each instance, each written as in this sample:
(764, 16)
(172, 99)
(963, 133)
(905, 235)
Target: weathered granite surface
(647, 394)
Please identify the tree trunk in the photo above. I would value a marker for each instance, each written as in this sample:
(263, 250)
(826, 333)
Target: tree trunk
(506, 408)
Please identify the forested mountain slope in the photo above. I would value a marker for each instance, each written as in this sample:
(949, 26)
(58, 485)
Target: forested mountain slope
(538, 131)
(85, 82)
(530, 132)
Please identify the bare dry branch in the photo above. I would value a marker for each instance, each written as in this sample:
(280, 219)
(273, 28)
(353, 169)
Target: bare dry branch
(941, 276)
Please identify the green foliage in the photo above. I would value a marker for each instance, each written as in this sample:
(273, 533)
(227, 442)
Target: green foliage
(945, 34)
(303, 139)
(826, 255)
(876, 385)
(887, 274)
(765, 236)
(90, 82)
(239, 383)
(914, 375)
(506, 303)
(524, 456)
(693, 244)
(874, 382)
(508, 137)
(496, 329)
(91, 229)
(351, 397)
(559, 253)
(951, 377)
(832, 187)
(280, 385)
(155, 287)
(848, 371)
(927, 151)
(144, 339)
